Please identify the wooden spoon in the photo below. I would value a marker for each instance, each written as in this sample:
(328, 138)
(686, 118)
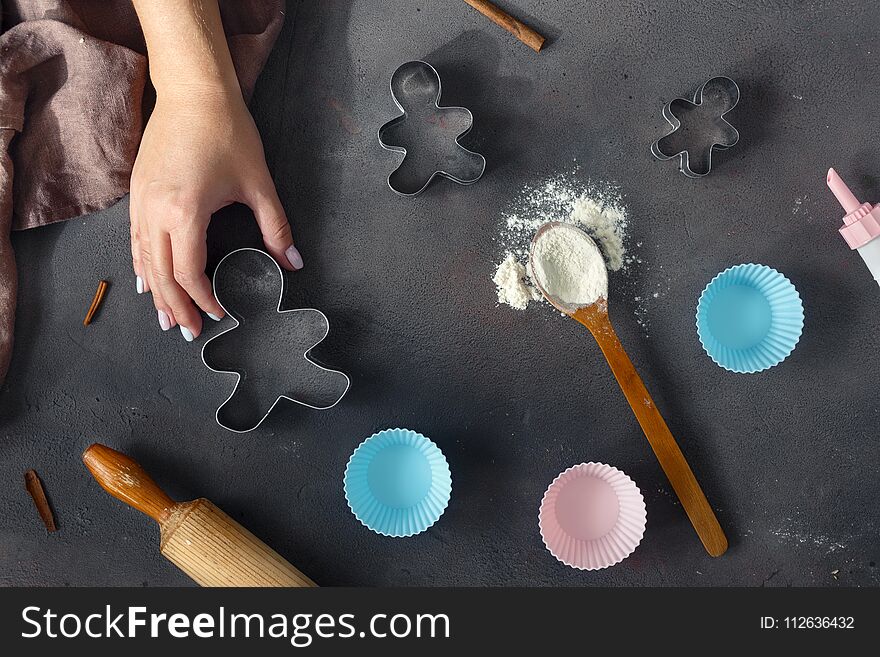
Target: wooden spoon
(595, 317)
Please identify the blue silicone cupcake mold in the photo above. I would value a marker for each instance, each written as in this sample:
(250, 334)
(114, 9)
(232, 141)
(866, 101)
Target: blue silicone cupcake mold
(749, 318)
(397, 483)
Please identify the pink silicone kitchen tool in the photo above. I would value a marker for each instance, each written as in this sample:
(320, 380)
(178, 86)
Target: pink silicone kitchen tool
(861, 225)
(592, 516)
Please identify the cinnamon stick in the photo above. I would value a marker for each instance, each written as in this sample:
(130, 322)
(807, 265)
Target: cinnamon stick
(501, 18)
(96, 302)
(35, 487)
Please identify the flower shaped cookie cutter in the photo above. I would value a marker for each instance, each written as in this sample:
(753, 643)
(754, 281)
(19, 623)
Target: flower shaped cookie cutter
(427, 134)
(699, 127)
(268, 349)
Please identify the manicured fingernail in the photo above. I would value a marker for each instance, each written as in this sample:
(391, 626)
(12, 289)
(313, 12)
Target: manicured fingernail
(140, 285)
(293, 257)
(186, 333)
(214, 317)
(164, 321)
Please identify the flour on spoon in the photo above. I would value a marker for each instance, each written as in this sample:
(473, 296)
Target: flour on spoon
(568, 266)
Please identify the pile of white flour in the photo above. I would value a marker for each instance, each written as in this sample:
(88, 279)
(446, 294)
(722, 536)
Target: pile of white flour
(510, 279)
(595, 208)
(605, 223)
(568, 266)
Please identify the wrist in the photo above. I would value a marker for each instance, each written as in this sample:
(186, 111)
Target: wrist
(187, 49)
(190, 89)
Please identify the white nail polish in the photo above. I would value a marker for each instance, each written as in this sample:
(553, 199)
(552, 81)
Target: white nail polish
(186, 333)
(294, 257)
(140, 285)
(213, 316)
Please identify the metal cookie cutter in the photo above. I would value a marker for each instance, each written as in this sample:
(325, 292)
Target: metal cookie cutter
(268, 348)
(699, 127)
(427, 134)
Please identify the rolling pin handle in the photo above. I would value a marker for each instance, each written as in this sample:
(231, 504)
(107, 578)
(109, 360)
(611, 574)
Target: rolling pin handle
(126, 480)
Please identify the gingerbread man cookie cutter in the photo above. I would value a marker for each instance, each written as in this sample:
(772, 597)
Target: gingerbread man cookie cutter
(699, 127)
(268, 349)
(427, 134)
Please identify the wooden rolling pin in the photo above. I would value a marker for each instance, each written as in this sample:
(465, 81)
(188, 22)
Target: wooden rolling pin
(196, 536)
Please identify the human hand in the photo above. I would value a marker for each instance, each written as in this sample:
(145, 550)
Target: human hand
(200, 152)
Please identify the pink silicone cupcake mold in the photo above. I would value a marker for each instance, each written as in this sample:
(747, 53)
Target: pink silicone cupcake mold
(592, 516)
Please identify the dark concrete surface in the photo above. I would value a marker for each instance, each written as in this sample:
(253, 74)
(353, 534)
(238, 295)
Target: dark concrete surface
(788, 457)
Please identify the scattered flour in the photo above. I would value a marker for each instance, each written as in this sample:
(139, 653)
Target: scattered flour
(569, 267)
(596, 208)
(801, 538)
